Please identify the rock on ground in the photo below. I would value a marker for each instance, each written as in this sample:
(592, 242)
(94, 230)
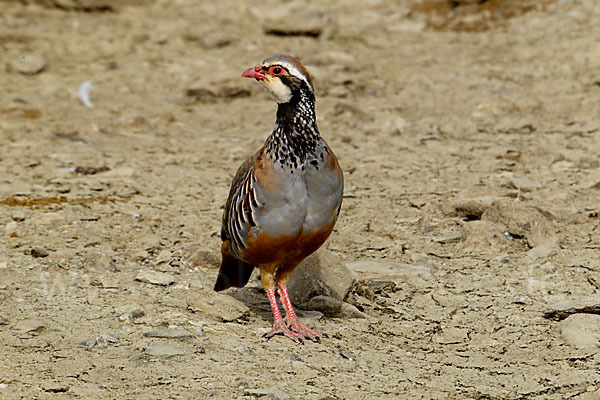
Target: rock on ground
(155, 278)
(172, 333)
(216, 306)
(163, 350)
(321, 273)
(562, 309)
(28, 64)
(332, 307)
(272, 394)
(581, 330)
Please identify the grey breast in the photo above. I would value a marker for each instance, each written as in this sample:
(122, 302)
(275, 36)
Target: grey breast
(283, 210)
(324, 189)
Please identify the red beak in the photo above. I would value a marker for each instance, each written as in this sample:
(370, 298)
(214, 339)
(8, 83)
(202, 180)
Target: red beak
(253, 73)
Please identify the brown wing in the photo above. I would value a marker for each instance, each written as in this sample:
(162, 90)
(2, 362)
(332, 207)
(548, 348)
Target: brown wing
(240, 182)
(237, 221)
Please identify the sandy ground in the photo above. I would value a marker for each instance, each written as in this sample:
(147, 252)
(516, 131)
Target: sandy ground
(470, 140)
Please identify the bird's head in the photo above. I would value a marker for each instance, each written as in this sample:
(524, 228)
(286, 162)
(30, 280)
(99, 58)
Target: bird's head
(283, 76)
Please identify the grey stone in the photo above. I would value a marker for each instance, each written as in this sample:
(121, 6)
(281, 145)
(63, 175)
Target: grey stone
(309, 314)
(562, 309)
(239, 382)
(39, 252)
(321, 273)
(170, 334)
(217, 306)
(292, 356)
(522, 183)
(29, 325)
(562, 166)
(243, 350)
(384, 269)
(471, 208)
(3, 321)
(450, 237)
(163, 350)
(331, 307)
(18, 216)
(110, 338)
(155, 278)
(348, 355)
(28, 64)
(581, 330)
(100, 342)
(54, 387)
(164, 256)
(88, 343)
(273, 394)
(129, 312)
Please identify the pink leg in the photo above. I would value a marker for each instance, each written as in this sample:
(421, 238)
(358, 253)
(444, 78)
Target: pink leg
(279, 326)
(292, 321)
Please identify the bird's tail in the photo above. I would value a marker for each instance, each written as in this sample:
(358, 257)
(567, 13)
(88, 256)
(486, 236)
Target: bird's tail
(234, 272)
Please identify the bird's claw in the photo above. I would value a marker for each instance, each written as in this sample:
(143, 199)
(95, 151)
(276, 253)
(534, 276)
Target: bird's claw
(282, 328)
(307, 333)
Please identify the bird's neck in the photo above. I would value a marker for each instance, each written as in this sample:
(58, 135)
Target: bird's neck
(295, 136)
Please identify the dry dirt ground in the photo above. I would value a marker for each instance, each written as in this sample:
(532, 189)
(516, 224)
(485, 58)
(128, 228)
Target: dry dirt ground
(469, 133)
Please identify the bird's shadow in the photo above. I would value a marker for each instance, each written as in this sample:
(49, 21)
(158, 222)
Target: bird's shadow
(255, 298)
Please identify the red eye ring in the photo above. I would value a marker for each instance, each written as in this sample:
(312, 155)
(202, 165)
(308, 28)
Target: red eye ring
(276, 70)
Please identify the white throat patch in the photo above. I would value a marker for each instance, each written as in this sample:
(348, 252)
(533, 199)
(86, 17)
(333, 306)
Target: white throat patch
(278, 90)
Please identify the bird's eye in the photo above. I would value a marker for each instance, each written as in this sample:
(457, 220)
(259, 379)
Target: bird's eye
(276, 70)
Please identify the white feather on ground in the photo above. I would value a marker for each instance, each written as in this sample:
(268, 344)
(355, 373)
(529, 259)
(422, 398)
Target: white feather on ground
(83, 93)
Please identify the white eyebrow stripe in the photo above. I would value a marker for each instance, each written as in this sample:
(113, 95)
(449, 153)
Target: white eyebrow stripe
(292, 70)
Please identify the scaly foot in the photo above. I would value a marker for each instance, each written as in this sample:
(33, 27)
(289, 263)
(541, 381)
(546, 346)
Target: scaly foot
(282, 328)
(305, 331)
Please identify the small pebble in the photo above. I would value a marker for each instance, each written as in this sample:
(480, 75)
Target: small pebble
(348, 355)
(581, 330)
(39, 252)
(274, 394)
(155, 278)
(11, 228)
(29, 325)
(170, 334)
(163, 256)
(239, 382)
(18, 216)
(243, 350)
(28, 64)
(163, 350)
(99, 342)
(292, 356)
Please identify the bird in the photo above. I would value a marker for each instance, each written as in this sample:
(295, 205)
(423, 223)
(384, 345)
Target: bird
(285, 199)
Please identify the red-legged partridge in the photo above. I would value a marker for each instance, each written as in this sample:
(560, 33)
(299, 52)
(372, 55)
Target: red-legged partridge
(285, 199)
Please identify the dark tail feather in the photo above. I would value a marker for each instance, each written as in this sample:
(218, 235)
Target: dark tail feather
(233, 272)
